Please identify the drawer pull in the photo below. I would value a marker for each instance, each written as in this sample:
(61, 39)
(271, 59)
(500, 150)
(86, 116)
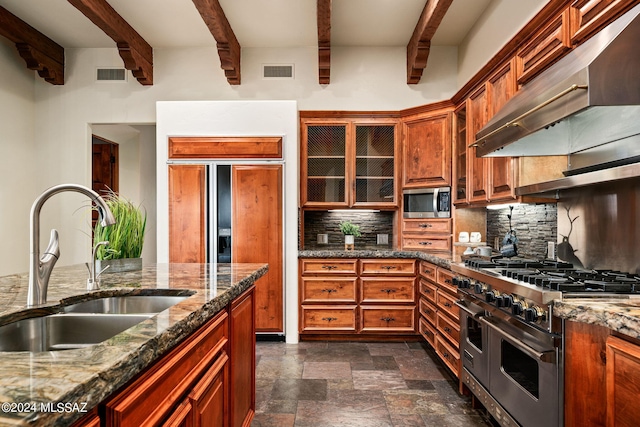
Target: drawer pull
(448, 281)
(329, 319)
(427, 271)
(425, 225)
(427, 312)
(388, 319)
(445, 355)
(388, 267)
(447, 304)
(329, 290)
(388, 291)
(330, 267)
(447, 329)
(425, 243)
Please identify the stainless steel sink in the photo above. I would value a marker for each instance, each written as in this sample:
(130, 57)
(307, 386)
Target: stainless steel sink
(151, 304)
(64, 331)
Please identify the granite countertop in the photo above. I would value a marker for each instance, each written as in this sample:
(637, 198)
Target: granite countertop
(82, 378)
(618, 314)
(441, 259)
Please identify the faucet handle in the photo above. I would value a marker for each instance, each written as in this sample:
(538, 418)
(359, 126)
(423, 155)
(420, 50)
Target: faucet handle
(53, 249)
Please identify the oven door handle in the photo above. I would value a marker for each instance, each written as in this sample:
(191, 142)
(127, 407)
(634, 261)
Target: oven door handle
(548, 356)
(463, 307)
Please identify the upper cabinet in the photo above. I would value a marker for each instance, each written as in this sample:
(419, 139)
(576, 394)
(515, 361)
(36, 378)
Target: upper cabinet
(460, 155)
(590, 16)
(426, 151)
(349, 162)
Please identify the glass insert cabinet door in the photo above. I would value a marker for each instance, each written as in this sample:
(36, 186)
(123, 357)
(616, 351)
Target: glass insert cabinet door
(348, 164)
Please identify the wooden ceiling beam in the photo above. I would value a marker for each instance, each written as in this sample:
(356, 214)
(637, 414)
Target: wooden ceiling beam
(420, 43)
(39, 51)
(324, 41)
(136, 53)
(228, 47)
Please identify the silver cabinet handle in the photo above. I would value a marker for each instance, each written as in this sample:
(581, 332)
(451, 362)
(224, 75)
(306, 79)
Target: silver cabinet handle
(388, 291)
(330, 267)
(388, 319)
(425, 243)
(329, 319)
(388, 267)
(425, 225)
(329, 290)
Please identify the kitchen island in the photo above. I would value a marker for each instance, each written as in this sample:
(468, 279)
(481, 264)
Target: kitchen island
(82, 378)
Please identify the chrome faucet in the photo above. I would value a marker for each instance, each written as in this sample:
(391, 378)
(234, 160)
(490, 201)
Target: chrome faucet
(40, 267)
(93, 282)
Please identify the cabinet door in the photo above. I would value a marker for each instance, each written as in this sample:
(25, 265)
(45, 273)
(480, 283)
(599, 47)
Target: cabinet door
(374, 170)
(476, 166)
(182, 416)
(460, 160)
(242, 339)
(427, 152)
(623, 383)
(257, 235)
(502, 174)
(187, 211)
(209, 396)
(323, 164)
(590, 16)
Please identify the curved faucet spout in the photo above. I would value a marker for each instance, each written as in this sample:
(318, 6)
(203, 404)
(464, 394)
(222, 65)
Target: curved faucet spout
(40, 267)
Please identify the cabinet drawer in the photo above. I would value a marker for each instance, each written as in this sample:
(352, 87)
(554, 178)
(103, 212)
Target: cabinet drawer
(426, 226)
(448, 328)
(428, 311)
(428, 290)
(396, 290)
(447, 303)
(328, 289)
(445, 280)
(391, 267)
(393, 319)
(428, 332)
(426, 243)
(449, 356)
(317, 318)
(428, 270)
(329, 266)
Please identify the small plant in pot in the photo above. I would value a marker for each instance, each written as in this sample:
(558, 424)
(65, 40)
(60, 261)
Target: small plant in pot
(126, 237)
(350, 231)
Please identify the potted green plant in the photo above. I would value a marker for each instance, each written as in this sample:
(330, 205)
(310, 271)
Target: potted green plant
(350, 231)
(125, 237)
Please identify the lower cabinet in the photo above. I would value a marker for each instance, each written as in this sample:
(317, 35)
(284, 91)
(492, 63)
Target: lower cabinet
(207, 380)
(439, 315)
(606, 365)
(357, 297)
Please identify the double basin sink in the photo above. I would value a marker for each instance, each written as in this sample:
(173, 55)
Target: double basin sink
(83, 324)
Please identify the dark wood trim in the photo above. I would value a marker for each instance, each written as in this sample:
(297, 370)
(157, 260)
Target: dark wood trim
(228, 46)
(38, 51)
(420, 43)
(311, 114)
(225, 147)
(136, 53)
(428, 108)
(324, 41)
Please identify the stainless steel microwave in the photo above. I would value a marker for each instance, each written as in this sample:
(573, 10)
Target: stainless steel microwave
(427, 203)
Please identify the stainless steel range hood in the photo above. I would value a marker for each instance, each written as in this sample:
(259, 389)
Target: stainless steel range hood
(587, 105)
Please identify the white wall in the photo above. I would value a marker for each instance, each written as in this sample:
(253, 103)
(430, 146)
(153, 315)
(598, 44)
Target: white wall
(498, 24)
(237, 118)
(17, 158)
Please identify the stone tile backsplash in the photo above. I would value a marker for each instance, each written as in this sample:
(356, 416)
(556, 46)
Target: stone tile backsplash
(534, 224)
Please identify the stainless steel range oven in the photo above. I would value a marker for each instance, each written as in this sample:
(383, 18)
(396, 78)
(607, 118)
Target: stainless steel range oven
(511, 344)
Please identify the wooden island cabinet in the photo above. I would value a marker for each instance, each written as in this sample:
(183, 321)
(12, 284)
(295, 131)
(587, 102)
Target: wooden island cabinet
(602, 377)
(207, 380)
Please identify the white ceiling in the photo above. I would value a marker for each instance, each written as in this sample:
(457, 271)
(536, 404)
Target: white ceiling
(256, 23)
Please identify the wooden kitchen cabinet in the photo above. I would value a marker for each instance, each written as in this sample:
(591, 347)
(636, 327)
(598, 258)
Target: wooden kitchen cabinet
(428, 235)
(207, 380)
(439, 322)
(623, 382)
(477, 177)
(349, 162)
(590, 16)
(607, 364)
(459, 157)
(426, 154)
(357, 297)
(544, 48)
(187, 213)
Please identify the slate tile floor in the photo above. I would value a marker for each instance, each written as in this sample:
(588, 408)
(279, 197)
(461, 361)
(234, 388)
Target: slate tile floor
(354, 384)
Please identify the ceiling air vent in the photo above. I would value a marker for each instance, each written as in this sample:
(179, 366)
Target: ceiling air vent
(111, 75)
(277, 71)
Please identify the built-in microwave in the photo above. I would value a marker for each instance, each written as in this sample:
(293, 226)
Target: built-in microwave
(427, 203)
